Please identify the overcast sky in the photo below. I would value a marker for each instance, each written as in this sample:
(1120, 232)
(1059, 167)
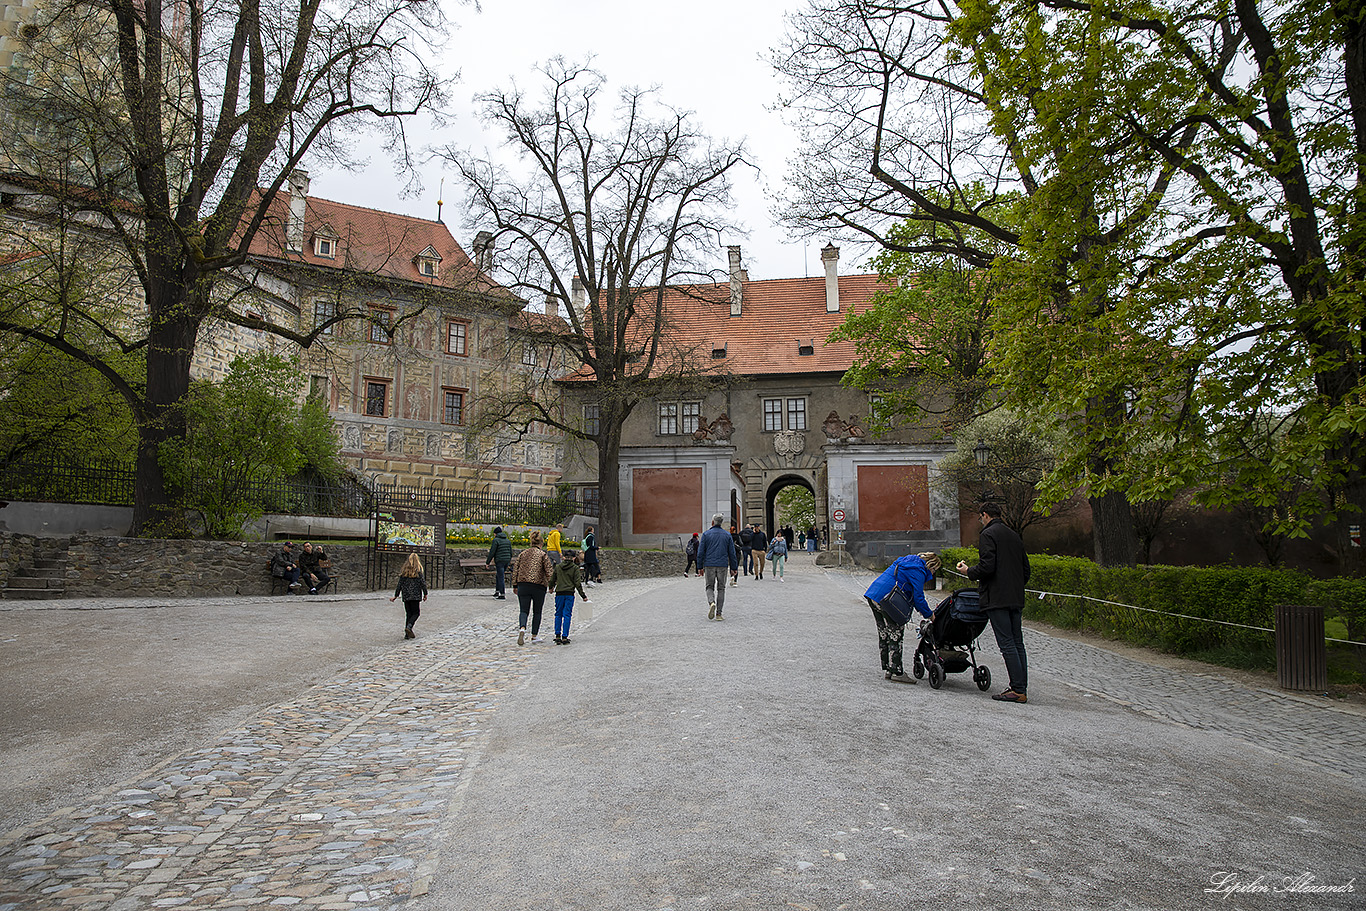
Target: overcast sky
(709, 56)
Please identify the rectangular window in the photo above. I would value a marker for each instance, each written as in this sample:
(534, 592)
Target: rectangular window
(453, 406)
(668, 419)
(376, 398)
(688, 419)
(318, 388)
(324, 310)
(325, 246)
(591, 417)
(379, 325)
(796, 414)
(773, 414)
(456, 334)
(592, 501)
(529, 355)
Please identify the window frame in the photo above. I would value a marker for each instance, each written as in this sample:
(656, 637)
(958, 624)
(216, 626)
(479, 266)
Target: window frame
(370, 381)
(777, 410)
(528, 354)
(464, 337)
(326, 308)
(792, 413)
(446, 392)
(381, 326)
(331, 242)
(592, 423)
(667, 411)
(689, 414)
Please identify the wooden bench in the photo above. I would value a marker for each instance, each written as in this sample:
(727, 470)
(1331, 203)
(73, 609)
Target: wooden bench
(473, 570)
(280, 584)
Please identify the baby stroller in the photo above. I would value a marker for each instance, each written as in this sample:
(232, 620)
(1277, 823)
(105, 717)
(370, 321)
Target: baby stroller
(956, 624)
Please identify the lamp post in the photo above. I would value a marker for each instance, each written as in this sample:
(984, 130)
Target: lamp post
(981, 453)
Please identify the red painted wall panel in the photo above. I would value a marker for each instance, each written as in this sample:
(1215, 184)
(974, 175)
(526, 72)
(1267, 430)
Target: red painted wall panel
(893, 498)
(666, 501)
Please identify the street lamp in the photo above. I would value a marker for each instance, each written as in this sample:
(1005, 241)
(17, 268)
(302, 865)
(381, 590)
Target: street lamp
(981, 453)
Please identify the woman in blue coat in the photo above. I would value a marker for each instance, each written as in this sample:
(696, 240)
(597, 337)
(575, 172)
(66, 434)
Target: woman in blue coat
(909, 573)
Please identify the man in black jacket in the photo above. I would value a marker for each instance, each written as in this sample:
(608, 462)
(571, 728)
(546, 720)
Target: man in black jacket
(746, 552)
(1002, 572)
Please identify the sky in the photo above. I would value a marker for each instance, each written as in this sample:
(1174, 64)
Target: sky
(710, 57)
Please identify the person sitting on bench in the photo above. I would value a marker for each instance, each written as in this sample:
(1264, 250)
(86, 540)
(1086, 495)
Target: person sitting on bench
(311, 564)
(282, 566)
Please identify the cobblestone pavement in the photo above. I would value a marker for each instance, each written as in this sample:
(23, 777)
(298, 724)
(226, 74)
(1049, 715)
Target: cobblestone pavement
(330, 801)
(342, 797)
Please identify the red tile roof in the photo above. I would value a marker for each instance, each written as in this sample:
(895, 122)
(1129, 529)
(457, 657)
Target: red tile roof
(777, 316)
(375, 242)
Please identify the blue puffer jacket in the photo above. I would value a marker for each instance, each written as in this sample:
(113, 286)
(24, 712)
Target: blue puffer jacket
(909, 573)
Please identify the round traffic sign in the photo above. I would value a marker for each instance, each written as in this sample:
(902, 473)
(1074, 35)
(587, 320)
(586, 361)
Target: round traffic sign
(838, 515)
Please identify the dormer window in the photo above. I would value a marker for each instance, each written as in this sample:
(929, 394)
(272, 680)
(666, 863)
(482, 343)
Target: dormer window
(428, 263)
(807, 347)
(325, 242)
(718, 349)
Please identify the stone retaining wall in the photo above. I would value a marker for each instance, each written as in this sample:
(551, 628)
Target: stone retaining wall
(137, 567)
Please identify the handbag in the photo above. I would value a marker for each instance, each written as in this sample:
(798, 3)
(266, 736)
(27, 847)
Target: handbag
(896, 606)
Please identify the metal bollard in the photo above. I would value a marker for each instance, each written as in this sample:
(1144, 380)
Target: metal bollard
(1301, 653)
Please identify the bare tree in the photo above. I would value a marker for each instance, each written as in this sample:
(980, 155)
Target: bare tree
(171, 125)
(629, 209)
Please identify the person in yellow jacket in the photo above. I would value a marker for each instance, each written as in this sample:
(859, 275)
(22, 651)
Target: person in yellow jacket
(552, 544)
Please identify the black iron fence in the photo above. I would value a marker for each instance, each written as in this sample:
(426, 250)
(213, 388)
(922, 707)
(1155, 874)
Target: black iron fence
(111, 484)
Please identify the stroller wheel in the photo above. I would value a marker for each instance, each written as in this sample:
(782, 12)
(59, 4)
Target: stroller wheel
(918, 668)
(936, 675)
(983, 678)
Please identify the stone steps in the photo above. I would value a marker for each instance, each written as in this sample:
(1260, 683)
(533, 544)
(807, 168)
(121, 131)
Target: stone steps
(44, 579)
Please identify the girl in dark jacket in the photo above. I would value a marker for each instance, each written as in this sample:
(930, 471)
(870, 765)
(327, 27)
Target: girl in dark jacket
(413, 587)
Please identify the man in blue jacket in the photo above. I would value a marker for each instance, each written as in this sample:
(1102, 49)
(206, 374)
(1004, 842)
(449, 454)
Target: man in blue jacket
(716, 558)
(1001, 574)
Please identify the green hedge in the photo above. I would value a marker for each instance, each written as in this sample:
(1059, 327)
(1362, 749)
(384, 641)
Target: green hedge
(1246, 596)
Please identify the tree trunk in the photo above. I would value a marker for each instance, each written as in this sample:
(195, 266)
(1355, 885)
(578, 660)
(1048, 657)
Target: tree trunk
(609, 479)
(171, 340)
(1113, 527)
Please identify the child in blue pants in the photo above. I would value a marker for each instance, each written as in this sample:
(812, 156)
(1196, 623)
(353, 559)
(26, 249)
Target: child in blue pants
(568, 577)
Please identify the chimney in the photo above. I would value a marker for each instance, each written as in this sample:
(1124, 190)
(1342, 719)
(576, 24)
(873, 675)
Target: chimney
(298, 203)
(737, 278)
(483, 251)
(551, 307)
(831, 257)
(579, 296)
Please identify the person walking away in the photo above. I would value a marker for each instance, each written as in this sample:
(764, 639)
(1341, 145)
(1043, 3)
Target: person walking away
(739, 549)
(283, 566)
(777, 555)
(412, 586)
(789, 536)
(532, 573)
(312, 568)
(592, 571)
(909, 573)
(691, 551)
(552, 544)
(1001, 573)
(746, 541)
(500, 555)
(758, 543)
(811, 539)
(716, 554)
(801, 539)
(567, 578)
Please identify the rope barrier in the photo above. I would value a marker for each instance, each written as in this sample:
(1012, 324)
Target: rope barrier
(1150, 610)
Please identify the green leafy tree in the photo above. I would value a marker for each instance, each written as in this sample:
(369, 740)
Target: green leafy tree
(1017, 457)
(169, 129)
(796, 506)
(245, 430)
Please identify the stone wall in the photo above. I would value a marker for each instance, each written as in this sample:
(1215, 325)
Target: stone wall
(117, 567)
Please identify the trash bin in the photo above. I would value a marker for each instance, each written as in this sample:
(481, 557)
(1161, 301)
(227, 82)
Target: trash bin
(1301, 652)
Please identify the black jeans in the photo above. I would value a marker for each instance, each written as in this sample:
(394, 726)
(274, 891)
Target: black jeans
(1007, 623)
(413, 609)
(531, 599)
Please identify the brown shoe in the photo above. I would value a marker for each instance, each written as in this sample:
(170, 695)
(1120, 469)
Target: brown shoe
(1010, 696)
(521, 636)
(408, 633)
